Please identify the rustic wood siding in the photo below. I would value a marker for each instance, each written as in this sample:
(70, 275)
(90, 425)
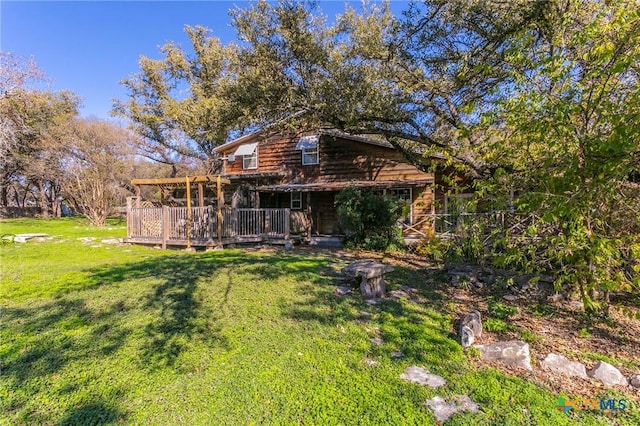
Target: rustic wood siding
(339, 160)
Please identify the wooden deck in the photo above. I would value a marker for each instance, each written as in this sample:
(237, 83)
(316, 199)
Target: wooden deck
(206, 226)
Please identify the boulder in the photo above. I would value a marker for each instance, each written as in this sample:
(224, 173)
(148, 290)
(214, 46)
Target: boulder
(514, 353)
(560, 364)
(608, 374)
(442, 409)
(470, 328)
(422, 376)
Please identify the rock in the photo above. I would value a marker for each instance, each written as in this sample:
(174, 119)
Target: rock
(422, 376)
(608, 374)
(555, 298)
(288, 245)
(23, 238)
(510, 297)
(470, 328)
(398, 294)
(560, 364)
(377, 341)
(397, 354)
(635, 381)
(372, 301)
(370, 362)
(442, 410)
(514, 353)
(111, 241)
(370, 274)
(409, 290)
(342, 290)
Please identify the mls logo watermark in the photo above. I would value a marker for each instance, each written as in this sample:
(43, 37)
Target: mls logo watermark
(581, 404)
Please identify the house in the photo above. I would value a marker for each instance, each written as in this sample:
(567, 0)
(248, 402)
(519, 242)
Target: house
(303, 172)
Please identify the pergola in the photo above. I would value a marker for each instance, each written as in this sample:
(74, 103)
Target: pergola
(187, 182)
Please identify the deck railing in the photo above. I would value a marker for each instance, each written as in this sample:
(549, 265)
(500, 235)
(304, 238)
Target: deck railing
(447, 224)
(205, 225)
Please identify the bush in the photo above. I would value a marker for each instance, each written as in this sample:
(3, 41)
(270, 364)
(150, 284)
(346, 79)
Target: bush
(368, 220)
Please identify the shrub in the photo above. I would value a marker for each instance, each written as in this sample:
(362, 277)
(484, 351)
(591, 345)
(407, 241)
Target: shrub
(368, 220)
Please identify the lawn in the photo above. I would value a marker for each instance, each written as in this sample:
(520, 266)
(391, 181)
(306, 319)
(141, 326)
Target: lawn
(95, 333)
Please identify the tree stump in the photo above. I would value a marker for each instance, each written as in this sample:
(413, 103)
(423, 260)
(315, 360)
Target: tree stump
(370, 273)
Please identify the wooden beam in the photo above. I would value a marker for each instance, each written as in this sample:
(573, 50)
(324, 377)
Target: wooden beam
(180, 181)
(188, 183)
(219, 212)
(200, 194)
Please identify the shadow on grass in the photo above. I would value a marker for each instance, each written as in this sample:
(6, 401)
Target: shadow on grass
(92, 414)
(411, 325)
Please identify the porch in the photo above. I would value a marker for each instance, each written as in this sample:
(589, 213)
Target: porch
(208, 226)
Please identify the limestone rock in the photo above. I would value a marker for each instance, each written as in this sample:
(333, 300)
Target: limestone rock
(342, 290)
(442, 409)
(514, 353)
(423, 377)
(608, 374)
(470, 328)
(560, 364)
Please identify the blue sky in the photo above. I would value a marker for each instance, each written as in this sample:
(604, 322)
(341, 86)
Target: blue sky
(88, 47)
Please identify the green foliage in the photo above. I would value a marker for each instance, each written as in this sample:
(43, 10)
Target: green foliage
(497, 325)
(500, 310)
(368, 219)
(530, 337)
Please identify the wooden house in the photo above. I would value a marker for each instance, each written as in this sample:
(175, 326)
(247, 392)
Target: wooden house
(304, 171)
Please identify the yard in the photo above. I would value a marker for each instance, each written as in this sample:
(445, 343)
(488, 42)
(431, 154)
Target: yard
(99, 333)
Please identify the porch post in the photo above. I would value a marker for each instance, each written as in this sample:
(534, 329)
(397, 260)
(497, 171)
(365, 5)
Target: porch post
(309, 216)
(165, 226)
(188, 213)
(219, 212)
(200, 194)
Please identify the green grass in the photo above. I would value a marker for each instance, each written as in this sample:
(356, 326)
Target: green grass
(98, 334)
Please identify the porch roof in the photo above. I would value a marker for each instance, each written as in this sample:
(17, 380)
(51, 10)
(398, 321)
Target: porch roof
(336, 186)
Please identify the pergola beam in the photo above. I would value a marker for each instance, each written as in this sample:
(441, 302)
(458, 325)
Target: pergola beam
(180, 180)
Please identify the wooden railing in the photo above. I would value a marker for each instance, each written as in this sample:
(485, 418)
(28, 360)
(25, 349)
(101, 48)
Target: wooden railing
(443, 224)
(205, 225)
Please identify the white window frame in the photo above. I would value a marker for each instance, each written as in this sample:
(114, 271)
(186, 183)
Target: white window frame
(296, 200)
(310, 153)
(248, 160)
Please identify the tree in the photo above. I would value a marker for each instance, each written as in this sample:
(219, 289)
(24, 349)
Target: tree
(30, 166)
(566, 132)
(181, 105)
(97, 161)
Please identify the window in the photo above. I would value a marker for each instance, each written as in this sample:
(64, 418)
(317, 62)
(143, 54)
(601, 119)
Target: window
(296, 200)
(249, 154)
(309, 147)
(250, 161)
(310, 156)
(405, 197)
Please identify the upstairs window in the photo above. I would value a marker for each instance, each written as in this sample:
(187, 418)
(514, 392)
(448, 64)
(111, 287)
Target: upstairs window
(250, 161)
(309, 147)
(310, 156)
(249, 155)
